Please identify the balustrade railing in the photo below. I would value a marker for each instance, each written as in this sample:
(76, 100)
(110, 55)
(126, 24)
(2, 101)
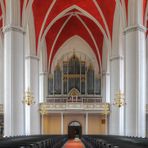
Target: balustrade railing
(74, 99)
(74, 103)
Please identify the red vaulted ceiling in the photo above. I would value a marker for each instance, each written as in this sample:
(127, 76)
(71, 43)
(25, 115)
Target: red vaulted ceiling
(1, 21)
(74, 26)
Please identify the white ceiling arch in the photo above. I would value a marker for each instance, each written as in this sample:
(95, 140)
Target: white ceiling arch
(91, 35)
(3, 10)
(81, 46)
(146, 15)
(103, 18)
(27, 9)
(57, 36)
(122, 7)
(45, 19)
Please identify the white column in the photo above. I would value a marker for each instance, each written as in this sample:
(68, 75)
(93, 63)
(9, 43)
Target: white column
(62, 120)
(1, 70)
(86, 82)
(62, 91)
(43, 86)
(106, 124)
(106, 87)
(13, 81)
(32, 82)
(42, 122)
(80, 74)
(13, 70)
(135, 80)
(147, 68)
(116, 120)
(147, 83)
(86, 124)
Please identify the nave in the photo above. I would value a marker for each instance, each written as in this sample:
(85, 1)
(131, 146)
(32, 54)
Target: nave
(74, 144)
(73, 69)
(62, 141)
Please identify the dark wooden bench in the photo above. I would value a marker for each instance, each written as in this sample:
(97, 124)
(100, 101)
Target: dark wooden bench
(33, 141)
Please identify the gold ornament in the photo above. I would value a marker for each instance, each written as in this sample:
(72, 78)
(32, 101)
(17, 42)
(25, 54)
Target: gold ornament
(43, 110)
(119, 99)
(28, 99)
(106, 109)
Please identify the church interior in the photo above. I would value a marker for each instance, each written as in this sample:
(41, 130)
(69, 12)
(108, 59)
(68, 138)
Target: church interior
(73, 73)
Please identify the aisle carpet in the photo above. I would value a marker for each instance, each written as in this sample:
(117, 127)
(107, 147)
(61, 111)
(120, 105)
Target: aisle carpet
(73, 144)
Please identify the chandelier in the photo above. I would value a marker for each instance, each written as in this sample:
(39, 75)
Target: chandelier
(119, 99)
(29, 98)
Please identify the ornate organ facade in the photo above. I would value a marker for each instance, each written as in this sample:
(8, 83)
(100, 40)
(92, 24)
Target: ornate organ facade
(74, 73)
(74, 94)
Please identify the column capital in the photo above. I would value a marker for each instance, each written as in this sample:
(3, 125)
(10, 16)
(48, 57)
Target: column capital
(118, 57)
(137, 27)
(32, 57)
(43, 73)
(13, 28)
(104, 73)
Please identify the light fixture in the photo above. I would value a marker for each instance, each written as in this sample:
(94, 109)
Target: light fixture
(28, 99)
(119, 99)
(43, 110)
(106, 109)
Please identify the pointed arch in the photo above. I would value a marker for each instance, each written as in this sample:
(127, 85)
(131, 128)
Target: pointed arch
(27, 12)
(30, 28)
(82, 47)
(146, 15)
(3, 11)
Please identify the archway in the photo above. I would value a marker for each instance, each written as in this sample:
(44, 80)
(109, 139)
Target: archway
(74, 130)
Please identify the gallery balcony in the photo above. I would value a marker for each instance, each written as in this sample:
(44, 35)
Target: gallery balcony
(74, 104)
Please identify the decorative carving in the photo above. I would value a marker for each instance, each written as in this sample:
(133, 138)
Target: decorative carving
(74, 92)
(13, 28)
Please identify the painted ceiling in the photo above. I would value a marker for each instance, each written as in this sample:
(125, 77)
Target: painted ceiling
(58, 20)
(77, 17)
(89, 19)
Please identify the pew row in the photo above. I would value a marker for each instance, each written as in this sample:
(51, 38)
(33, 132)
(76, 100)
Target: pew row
(33, 141)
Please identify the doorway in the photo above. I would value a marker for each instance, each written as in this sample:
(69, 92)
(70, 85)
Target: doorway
(74, 130)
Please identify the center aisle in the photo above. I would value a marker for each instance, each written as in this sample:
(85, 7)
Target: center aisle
(74, 144)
